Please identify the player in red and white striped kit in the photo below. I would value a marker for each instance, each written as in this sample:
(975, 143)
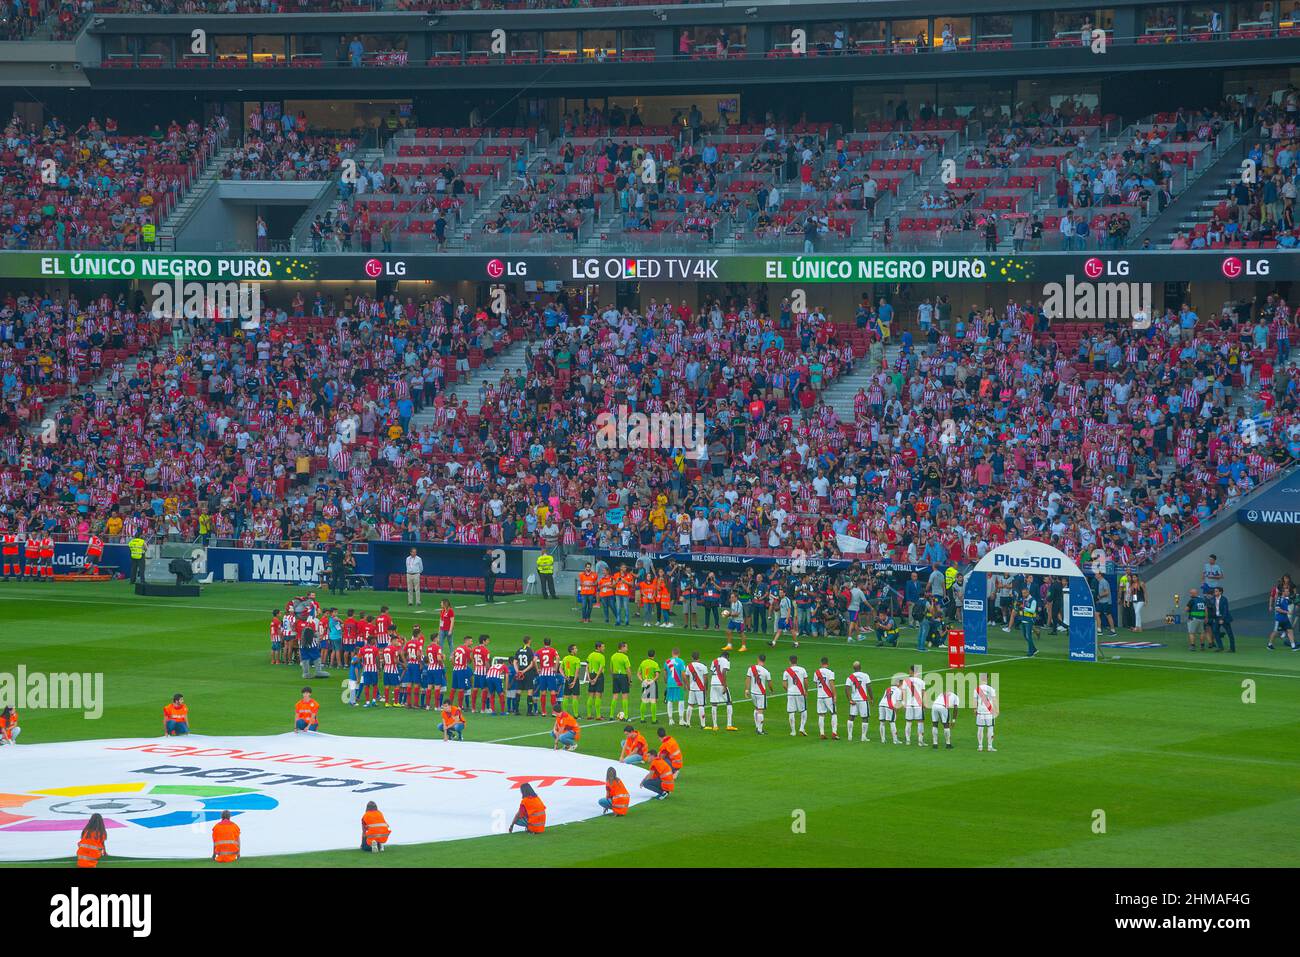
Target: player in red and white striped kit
(496, 689)
(383, 626)
(462, 659)
(391, 656)
(434, 675)
(413, 655)
(482, 662)
(289, 632)
(94, 555)
(548, 675)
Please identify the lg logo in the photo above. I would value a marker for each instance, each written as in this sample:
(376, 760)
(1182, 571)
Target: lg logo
(496, 268)
(375, 268)
(1234, 267)
(1095, 268)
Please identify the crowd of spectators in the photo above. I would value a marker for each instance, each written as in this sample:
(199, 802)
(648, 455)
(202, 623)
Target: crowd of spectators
(280, 147)
(95, 188)
(989, 426)
(211, 432)
(23, 18)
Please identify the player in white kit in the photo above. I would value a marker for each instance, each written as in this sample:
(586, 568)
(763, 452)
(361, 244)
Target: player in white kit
(697, 676)
(944, 712)
(757, 680)
(914, 699)
(796, 695)
(986, 711)
(890, 702)
(824, 678)
(719, 693)
(858, 689)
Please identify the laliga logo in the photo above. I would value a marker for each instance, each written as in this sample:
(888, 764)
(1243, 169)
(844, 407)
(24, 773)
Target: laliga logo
(1093, 268)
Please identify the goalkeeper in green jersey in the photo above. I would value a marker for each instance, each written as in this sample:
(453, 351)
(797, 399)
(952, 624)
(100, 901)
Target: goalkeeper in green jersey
(648, 673)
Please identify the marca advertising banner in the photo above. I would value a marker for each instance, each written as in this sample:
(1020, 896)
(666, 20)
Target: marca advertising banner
(288, 793)
(1144, 266)
(277, 565)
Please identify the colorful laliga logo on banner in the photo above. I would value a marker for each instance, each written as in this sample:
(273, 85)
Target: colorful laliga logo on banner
(293, 793)
(136, 804)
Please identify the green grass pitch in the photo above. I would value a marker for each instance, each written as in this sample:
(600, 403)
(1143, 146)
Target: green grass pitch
(1186, 768)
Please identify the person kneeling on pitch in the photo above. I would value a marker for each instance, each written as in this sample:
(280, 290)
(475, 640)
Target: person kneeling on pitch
(660, 780)
(225, 840)
(176, 716)
(616, 798)
(306, 712)
(566, 732)
(9, 729)
(531, 813)
(453, 722)
(374, 829)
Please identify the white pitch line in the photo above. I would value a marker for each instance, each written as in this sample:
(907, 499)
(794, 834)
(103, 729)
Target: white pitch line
(536, 734)
(1218, 671)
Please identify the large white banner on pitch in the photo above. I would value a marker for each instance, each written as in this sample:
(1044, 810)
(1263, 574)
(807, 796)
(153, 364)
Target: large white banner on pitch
(288, 793)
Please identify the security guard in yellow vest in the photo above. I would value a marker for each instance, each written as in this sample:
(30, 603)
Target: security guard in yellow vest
(546, 574)
(137, 546)
(148, 232)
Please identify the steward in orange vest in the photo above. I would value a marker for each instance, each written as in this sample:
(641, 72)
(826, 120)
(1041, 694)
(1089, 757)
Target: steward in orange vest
(660, 778)
(605, 589)
(374, 829)
(647, 590)
(616, 798)
(664, 595)
(587, 591)
(566, 732)
(225, 840)
(531, 813)
(90, 848)
(671, 752)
